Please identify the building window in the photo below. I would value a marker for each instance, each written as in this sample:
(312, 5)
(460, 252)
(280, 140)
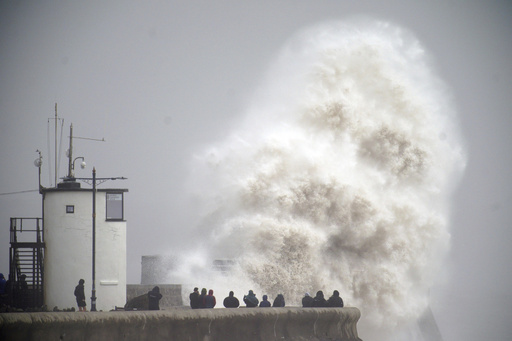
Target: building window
(70, 208)
(114, 206)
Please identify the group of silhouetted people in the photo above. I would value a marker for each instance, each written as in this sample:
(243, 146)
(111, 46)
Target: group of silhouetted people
(154, 296)
(205, 301)
(319, 301)
(202, 300)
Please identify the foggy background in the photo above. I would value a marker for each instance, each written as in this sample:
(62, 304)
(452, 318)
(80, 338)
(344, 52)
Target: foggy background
(162, 80)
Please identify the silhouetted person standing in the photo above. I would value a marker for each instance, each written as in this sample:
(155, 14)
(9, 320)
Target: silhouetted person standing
(194, 299)
(22, 291)
(209, 300)
(335, 300)
(3, 285)
(278, 301)
(202, 297)
(250, 300)
(265, 303)
(231, 301)
(154, 297)
(10, 290)
(307, 301)
(80, 296)
(319, 300)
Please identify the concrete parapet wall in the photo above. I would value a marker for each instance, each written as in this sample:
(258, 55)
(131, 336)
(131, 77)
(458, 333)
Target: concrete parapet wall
(242, 324)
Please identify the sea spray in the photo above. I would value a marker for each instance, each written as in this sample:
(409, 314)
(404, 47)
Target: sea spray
(339, 178)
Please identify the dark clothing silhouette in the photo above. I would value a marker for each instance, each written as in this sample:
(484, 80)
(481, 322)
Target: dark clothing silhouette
(335, 300)
(250, 300)
(202, 297)
(154, 297)
(3, 284)
(10, 288)
(209, 301)
(307, 301)
(80, 294)
(194, 299)
(231, 301)
(278, 301)
(319, 300)
(265, 303)
(22, 292)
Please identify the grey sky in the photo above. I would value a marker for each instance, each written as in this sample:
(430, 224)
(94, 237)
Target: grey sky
(160, 80)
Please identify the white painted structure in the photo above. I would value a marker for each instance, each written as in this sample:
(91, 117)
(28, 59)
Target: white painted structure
(67, 221)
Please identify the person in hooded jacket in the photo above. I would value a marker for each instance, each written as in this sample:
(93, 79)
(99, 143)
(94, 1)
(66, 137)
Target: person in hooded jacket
(307, 301)
(231, 301)
(319, 300)
(250, 300)
(80, 296)
(202, 297)
(265, 303)
(335, 300)
(154, 297)
(209, 301)
(278, 301)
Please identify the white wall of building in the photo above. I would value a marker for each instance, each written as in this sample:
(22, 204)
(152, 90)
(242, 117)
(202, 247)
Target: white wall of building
(68, 254)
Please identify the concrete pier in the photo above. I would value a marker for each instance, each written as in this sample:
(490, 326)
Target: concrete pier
(242, 324)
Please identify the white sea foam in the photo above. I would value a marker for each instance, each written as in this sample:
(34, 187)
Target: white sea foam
(339, 178)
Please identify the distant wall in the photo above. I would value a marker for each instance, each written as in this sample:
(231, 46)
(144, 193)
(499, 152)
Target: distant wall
(242, 324)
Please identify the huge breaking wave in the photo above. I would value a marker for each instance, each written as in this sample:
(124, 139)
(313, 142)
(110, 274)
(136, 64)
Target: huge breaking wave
(338, 178)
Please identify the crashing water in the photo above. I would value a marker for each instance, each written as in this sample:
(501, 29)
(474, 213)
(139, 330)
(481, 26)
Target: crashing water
(339, 177)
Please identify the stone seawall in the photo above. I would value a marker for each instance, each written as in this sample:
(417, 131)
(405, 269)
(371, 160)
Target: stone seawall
(242, 324)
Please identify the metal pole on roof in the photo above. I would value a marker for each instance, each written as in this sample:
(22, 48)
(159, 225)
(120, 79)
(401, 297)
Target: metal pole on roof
(93, 295)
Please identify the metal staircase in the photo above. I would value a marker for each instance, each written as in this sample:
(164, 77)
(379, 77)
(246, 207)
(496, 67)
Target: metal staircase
(26, 254)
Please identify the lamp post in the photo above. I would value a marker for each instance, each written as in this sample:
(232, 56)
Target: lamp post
(94, 179)
(38, 163)
(93, 294)
(83, 164)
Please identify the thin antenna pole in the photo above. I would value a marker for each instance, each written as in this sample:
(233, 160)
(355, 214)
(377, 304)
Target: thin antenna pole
(70, 152)
(55, 144)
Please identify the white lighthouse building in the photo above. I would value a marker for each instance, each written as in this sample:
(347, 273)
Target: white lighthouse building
(69, 228)
(81, 235)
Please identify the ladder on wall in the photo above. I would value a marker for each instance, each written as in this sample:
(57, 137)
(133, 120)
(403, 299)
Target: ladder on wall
(26, 255)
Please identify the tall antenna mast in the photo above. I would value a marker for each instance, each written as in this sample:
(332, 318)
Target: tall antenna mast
(71, 161)
(55, 144)
(70, 152)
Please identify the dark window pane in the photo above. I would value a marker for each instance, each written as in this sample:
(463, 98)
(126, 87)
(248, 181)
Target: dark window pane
(114, 206)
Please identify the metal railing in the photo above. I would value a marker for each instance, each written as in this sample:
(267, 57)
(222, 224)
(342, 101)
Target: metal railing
(26, 255)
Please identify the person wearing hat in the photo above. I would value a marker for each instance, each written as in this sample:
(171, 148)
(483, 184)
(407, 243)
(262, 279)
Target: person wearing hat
(307, 301)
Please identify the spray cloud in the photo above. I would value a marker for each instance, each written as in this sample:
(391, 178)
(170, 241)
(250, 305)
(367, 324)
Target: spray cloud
(339, 177)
